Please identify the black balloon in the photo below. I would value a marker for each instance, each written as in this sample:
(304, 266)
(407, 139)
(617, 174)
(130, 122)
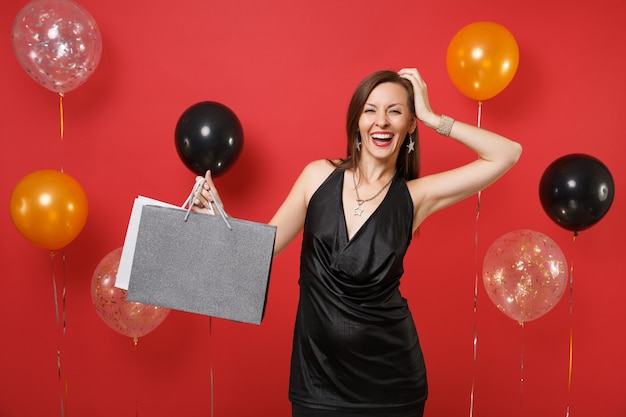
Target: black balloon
(208, 136)
(576, 191)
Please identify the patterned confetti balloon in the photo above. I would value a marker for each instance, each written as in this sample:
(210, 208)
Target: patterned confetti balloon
(126, 317)
(57, 42)
(524, 274)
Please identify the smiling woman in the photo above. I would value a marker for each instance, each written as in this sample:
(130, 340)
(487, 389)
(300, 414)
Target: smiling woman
(386, 124)
(355, 348)
(288, 69)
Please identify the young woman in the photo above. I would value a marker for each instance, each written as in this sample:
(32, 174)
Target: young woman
(355, 349)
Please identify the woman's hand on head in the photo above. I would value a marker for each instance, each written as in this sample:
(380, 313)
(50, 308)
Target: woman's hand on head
(422, 106)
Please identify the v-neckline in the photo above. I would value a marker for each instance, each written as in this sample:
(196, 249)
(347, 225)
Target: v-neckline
(367, 220)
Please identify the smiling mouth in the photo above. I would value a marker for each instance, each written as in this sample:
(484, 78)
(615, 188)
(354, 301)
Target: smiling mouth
(382, 138)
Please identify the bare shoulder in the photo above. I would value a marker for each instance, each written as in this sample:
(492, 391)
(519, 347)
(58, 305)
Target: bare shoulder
(313, 175)
(320, 167)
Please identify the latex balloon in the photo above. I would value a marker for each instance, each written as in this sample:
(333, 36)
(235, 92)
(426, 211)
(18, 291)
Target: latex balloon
(576, 191)
(482, 59)
(208, 136)
(524, 274)
(57, 42)
(49, 208)
(126, 317)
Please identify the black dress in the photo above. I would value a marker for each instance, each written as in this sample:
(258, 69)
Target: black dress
(355, 347)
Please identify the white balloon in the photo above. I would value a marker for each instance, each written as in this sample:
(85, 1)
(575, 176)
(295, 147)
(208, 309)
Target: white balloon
(57, 42)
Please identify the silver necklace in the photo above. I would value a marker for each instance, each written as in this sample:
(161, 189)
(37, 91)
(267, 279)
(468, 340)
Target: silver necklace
(358, 210)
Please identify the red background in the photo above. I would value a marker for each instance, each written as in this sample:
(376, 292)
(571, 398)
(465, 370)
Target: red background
(287, 69)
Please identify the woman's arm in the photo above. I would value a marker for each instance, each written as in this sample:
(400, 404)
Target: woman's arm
(496, 155)
(289, 219)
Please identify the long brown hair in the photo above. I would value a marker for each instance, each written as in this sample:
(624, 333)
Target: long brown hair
(408, 163)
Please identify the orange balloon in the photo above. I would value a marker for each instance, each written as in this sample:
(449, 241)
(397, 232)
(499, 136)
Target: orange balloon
(49, 208)
(482, 59)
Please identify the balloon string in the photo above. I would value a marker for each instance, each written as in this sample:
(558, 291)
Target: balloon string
(474, 361)
(64, 292)
(211, 369)
(60, 322)
(475, 340)
(135, 343)
(64, 314)
(480, 112)
(521, 380)
(61, 124)
(571, 328)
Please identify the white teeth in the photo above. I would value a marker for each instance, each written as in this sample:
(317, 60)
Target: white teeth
(382, 136)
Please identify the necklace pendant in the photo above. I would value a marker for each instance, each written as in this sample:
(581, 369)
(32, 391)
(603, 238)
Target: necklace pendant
(358, 211)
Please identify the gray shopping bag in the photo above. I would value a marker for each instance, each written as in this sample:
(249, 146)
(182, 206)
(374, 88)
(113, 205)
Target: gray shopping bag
(202, 263)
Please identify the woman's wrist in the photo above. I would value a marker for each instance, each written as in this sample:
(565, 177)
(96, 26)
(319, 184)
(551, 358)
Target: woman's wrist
(445, 125)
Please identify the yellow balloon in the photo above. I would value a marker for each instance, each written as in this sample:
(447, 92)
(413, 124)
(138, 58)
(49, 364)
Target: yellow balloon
(482, 59)
(48, 208)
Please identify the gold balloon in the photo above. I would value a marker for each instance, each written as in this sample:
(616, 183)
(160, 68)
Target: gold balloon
(482, 59)
(49, 208)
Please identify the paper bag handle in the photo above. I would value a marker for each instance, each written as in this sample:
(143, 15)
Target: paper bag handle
(197, 188)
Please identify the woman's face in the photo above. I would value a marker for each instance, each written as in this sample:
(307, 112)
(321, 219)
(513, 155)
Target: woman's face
(385, 120)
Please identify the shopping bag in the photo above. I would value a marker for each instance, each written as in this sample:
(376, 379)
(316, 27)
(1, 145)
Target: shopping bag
(200, 263)
(128, 250)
